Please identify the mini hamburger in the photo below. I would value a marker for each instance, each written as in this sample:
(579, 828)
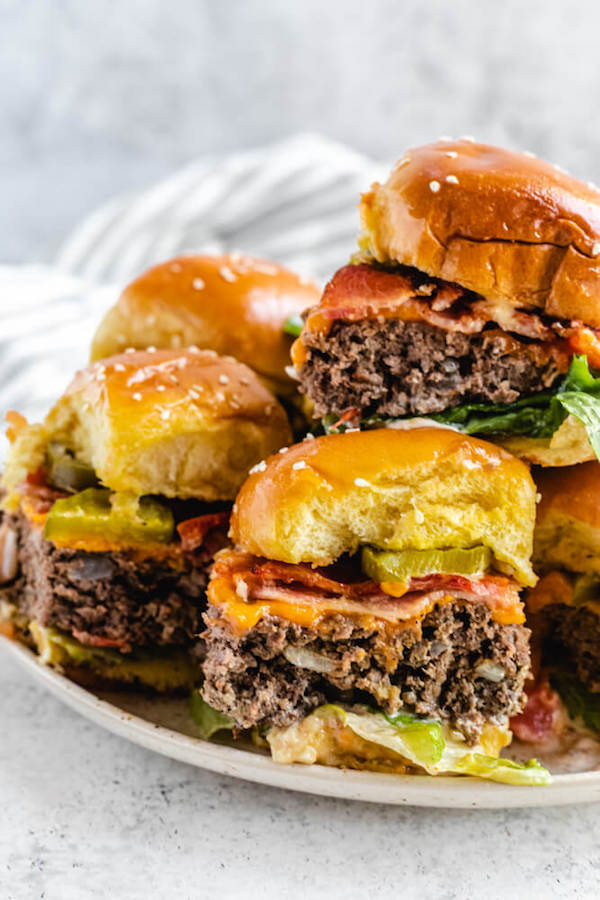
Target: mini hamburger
(369, 614)
(115, 505)
(233, 304)
(474, 300)
(564, 607)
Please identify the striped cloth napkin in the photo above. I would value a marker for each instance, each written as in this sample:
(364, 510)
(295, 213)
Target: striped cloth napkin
(293, 201)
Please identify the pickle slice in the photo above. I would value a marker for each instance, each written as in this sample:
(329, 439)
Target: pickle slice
(66, 472)
(586, 589)
(95, 513)
(402, 565)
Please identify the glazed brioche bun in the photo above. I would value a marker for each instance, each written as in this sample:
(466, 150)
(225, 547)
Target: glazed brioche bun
(505, 225)
(567, 531)
(424, 488)
(177, 423)
(568, 446)
(235, 305)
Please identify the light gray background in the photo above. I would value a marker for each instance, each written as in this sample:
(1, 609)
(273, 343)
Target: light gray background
(104, 96)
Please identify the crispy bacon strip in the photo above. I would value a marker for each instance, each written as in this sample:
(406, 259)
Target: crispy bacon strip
(193, 532)
(257, 579)
(96, 640)
(365, 292)
(543, 716)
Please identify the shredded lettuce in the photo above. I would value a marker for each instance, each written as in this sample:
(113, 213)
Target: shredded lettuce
(424, 743)
(208, 720)
(580, 703)
(293, 325)
(538, 416)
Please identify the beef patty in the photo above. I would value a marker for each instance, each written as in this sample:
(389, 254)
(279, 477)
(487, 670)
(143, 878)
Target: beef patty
(571, 635)
(106, 598)
(395, 368)
(458, 665)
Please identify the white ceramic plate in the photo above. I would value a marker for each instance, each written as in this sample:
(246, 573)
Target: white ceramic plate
(164, 726)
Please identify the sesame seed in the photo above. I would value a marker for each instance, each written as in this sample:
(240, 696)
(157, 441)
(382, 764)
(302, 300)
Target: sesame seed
(284, 449)
(596, 249)
(181, 363)
(151, 349)
(361, 482)
(193, 394)
(100, 376)
(165, 414)
(130, 350)
(161, 387)
(451, 179)
(234, 403)
(445, 137)
(244, 380)
(452, 154)
(467, 137)
(529, 154)
(591, 185)
(119, 367)
(226, 273)
(259, 467)
(220, 396)
(198, 284)
(309, 436)
(193, 349)
(434, 186)
(150, 320)
(223, 379)
(299, 465)
(137, 396)
(176, 341)
(175, 267)
(538, 497)
(419, 517)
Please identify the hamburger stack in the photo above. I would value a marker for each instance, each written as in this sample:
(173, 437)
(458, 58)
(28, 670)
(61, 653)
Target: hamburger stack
(474, 302)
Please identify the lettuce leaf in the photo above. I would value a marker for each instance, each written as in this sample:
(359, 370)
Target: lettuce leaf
(421, 742)
(208, 720)
(580, 703)
(293, 325)
(538, 416)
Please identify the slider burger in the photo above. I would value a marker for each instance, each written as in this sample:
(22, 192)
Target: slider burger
(369, 613)
(475, 301)
(564, 607)
(116, 503)
(233, 304)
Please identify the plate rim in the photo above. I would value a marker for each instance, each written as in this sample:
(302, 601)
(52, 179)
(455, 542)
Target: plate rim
(447, 792)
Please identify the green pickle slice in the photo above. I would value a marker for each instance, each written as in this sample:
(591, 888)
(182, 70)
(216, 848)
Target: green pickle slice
(96, 512)
(402, 565)
(66, 472)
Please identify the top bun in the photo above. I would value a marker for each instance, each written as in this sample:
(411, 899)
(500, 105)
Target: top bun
(423, 488)
(233, 304)
(505, 225)
(181, 424)
(567, 531)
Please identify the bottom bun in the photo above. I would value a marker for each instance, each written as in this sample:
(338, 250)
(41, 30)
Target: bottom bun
(568, 446)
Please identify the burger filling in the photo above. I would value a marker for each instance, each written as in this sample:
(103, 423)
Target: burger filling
(390, 342)
(283, 639)
(107, 582)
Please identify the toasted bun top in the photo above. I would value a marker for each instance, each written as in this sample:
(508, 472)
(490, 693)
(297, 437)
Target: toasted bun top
(567, 532)
(423, 488)
(503, 224)
(233, 304)
(181, 424)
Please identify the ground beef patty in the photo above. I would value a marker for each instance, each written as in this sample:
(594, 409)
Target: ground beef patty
(572, 636)
(106, 595)
(395, 368)
(437, 670)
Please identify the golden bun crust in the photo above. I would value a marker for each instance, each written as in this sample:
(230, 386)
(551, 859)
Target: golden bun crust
(424, 488)
(506, 225)
(235, 305)
(181, 424)
(567, 531)
(568, 446)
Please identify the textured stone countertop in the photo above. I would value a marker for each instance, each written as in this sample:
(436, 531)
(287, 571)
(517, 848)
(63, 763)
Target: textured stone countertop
(85, 814)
